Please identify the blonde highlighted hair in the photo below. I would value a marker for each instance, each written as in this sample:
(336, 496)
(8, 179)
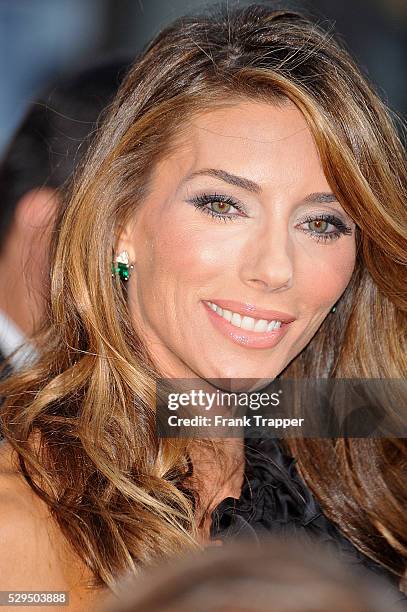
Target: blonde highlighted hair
(119, 493)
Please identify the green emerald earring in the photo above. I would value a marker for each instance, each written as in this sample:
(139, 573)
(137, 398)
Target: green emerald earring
(333, 309)
(121, 266)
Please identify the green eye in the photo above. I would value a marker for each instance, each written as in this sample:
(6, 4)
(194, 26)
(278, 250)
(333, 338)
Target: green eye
(319, 226)
(220, 207)
(324, 227)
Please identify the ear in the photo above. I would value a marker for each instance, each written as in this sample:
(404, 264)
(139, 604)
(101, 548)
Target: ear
(126, 240)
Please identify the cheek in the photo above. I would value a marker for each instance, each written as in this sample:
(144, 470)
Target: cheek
(180, 250)
(325, 276)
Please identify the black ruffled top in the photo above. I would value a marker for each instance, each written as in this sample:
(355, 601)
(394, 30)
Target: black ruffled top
(274, 499)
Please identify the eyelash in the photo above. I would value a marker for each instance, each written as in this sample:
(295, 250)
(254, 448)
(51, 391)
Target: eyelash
(341, 227)
(200, 202)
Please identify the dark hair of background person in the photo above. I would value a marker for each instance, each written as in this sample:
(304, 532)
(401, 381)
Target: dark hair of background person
(119, 478)
(278, 576)
(55, 133)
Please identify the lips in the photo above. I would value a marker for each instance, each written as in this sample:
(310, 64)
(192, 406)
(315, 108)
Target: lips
(249, 310)
(245, 337)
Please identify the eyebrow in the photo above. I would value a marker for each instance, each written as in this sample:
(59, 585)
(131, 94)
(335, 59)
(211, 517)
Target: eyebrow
(248, 185)
(232, 179)
(320, 198)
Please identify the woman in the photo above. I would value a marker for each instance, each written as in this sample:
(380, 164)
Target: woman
(245, 166)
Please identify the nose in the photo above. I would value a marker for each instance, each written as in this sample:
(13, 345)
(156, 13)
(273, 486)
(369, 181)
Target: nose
(268, 261)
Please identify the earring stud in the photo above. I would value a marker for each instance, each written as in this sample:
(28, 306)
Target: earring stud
(122, 267)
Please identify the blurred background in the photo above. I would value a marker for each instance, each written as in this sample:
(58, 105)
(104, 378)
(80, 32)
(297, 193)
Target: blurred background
(43, 39)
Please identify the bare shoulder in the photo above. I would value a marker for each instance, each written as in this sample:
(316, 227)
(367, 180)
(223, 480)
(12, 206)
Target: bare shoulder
(34, 555)
(28, 559)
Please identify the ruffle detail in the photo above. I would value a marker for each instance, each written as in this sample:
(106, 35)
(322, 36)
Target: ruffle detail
(275, 500)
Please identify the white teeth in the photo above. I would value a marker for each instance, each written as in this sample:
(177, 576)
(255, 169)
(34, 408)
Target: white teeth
(236, 319)
(261, 325)
(248, 323)
(273, 325)
(227, 314)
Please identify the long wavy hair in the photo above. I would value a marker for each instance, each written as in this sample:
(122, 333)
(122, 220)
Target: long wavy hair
(82, 420)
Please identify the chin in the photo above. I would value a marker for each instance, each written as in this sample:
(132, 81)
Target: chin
(234, 378)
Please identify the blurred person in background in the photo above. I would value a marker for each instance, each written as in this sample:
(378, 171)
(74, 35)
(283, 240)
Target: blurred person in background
(245, 161)
(278, 576)
(40, 40)
(40, 160)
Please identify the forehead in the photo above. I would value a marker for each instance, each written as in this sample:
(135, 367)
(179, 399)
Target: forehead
(250, 123)
(262, 141)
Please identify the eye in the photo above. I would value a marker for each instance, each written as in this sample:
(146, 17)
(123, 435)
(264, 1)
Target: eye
(218, 206)
(319, 226)
(324, 227)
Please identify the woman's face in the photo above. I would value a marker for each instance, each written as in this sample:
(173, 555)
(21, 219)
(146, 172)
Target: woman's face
(241, 219)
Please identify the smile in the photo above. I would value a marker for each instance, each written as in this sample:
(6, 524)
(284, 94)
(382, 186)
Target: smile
(249, 323)
(245, 330)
